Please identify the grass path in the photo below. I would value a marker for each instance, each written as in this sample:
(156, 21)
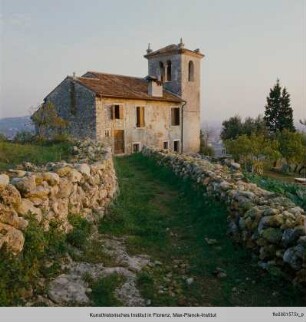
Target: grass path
(195, 264)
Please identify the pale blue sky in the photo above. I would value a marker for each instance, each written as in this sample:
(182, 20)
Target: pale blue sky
(248, 45)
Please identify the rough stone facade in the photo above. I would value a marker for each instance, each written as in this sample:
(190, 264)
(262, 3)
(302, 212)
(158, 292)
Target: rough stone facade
(82, 122)
(269, 224)
(52, 192)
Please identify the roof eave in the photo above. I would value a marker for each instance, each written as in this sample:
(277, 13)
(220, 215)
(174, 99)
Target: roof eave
(178, 100)
(85, 86)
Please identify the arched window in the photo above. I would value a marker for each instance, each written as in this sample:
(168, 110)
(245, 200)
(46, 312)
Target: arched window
(162, 71)
(190, 71)
(168, 70)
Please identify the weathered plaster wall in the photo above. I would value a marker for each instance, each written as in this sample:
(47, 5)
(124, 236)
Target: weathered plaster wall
(269, 224)
(187, 90)
(52, 192)
(191, 94)
(157, 127)
(82, 124)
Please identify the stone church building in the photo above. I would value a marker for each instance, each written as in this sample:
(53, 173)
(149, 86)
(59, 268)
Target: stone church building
(161, 110)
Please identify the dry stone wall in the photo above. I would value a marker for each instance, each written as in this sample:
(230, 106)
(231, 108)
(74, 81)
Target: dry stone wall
(52, 192)
(269, 224)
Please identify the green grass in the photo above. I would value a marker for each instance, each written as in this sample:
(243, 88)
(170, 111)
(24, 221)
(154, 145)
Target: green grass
(12, 154)
(103, 291)
(293, 191)
(168, 219)
(283, 177)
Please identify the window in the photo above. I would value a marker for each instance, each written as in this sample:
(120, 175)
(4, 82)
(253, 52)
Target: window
(136, 147)
(107, 133)
(168, 70)
(72, 99)
(176, 145)
(175, 116)
(140, 120)
(165, 145)
(190, 71)
(117, 112)
(162, 71)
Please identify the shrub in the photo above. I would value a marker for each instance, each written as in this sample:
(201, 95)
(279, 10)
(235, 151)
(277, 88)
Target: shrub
(61, 138)
(3, 138)
(19, 273)
(48, 122)
(24, 137)
(81, 229)
(292, 191)
(207, 150)
(103, 290)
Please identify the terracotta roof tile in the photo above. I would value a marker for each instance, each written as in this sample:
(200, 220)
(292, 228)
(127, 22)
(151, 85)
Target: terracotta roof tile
(174, 49)
(119, 86)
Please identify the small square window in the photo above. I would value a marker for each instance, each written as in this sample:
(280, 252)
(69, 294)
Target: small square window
(140, 116)
(136, 147)
(107, 133)
(175, 116)
(176, 146)
(117, 112)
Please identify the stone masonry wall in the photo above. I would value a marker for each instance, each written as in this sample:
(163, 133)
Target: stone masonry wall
(269, 224)
(82, 122)
(52, 192)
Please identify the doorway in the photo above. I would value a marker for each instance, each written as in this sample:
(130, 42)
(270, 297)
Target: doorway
(118, 141)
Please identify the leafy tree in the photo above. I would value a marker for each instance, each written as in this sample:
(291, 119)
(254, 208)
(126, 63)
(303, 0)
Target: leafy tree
(253, 151)
(235, 127)
(292, 146)
(232, 128)
(278, 114)
(47, 121)
(254, 126)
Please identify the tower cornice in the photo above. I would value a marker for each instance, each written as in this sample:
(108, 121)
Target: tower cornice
(166, 52)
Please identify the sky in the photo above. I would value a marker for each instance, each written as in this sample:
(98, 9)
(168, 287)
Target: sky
(247, 44)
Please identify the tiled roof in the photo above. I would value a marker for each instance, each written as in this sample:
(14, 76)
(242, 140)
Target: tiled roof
(174, 49)
(119, 86)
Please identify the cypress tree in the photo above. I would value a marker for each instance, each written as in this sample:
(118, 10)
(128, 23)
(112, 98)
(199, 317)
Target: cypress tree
(279, 114)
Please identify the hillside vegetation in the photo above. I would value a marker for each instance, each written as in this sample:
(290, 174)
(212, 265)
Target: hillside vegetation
(12, 154)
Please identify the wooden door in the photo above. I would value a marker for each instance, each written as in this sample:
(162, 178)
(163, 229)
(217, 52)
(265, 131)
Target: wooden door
(118, 141)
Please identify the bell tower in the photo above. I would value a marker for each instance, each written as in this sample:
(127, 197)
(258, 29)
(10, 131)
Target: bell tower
(179, 70)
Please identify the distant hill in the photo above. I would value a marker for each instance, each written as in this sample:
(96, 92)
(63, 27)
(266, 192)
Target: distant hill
(11, 125)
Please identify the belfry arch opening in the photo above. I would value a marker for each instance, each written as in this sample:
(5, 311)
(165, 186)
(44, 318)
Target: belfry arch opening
(190, 71)
(162, 71)
(169, 72)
